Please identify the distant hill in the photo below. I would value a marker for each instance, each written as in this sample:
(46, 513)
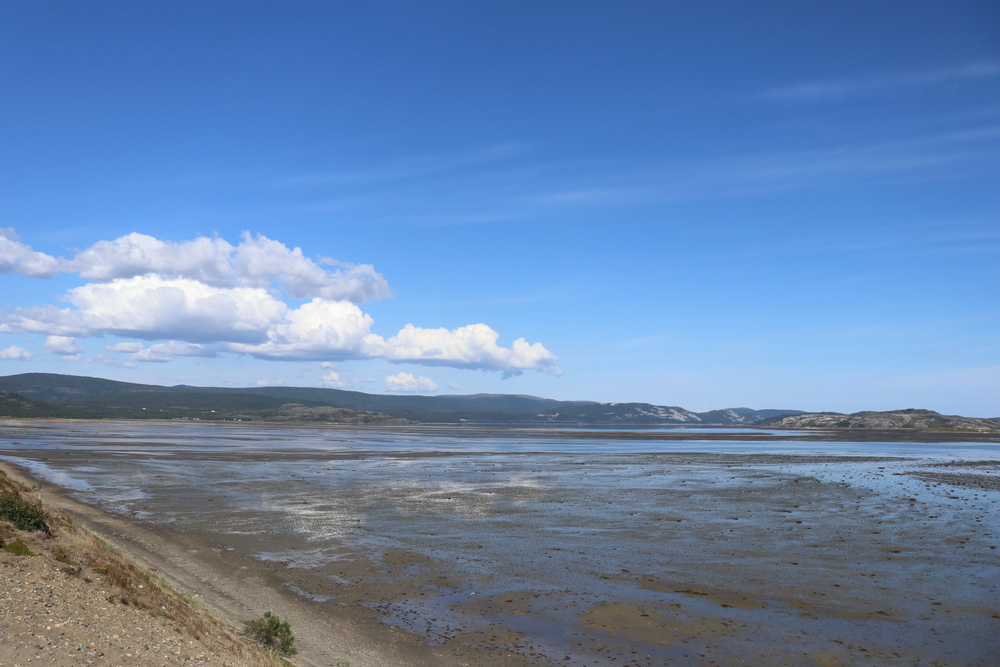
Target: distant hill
(892, 419)
(69, 396)
(13, 405)
(148, 406)
(739, 416)
(87, 397)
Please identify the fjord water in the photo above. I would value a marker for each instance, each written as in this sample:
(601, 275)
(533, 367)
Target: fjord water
(604, 550)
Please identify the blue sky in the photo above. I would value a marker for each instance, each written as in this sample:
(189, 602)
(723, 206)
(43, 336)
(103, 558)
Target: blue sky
(710, 204)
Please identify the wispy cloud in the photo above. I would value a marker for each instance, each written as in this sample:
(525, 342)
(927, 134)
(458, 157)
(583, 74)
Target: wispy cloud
(941, 155)
(883, 84)
(950, 237)
(504, 183)
(405, 168)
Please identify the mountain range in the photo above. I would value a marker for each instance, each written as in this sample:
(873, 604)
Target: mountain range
(54, 395)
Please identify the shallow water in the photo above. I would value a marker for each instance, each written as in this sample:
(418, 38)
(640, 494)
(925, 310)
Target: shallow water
(607, 551)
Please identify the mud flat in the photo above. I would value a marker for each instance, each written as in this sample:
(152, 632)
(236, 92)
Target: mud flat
(409, 546)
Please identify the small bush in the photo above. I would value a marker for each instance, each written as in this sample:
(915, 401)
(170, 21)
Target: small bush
(19, 548)
(24, 514)
(61, 556)
(272, 633)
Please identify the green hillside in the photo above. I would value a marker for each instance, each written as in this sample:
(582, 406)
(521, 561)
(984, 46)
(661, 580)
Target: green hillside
(97, 398)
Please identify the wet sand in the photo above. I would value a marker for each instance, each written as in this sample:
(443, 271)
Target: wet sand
(235, 587)
(497, 558)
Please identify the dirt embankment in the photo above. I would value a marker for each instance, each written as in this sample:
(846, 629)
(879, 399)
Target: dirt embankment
(70, 598)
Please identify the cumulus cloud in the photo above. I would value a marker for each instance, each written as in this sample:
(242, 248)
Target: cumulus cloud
(206, 296)
(406, 382)
(331, 380)
(15, 257)
(255, 262)
(64, 346)
(319, 329)
(152, 307)
(472, 346)
(15, 353)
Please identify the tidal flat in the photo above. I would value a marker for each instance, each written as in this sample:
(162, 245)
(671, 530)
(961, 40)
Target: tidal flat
(517, 547)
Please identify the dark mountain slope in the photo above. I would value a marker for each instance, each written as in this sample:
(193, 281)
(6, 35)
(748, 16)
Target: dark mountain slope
(93, 397)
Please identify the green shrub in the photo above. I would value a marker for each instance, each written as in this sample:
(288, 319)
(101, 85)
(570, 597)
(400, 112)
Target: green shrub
(61, 556)
(24, 514)
(272, 633)
(19, 548)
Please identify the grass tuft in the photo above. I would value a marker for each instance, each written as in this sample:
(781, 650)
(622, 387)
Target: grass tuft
(18, 548)
(60, 555)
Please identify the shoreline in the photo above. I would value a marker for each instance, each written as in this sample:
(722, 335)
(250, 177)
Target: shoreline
(72, 597)
(237, 587)
(583, 432)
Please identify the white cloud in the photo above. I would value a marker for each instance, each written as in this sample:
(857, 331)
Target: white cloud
(252, 321)
(322, 328)
(15, 353)
(472, 346)
(62, 345)
(207, 296)
(15, 257)
(109, 361)
(406, 382)
(255, 262)
(203, 259)
(163, 352)
(315, 330)
(153, 307)
(452, 386)
(331, 380)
